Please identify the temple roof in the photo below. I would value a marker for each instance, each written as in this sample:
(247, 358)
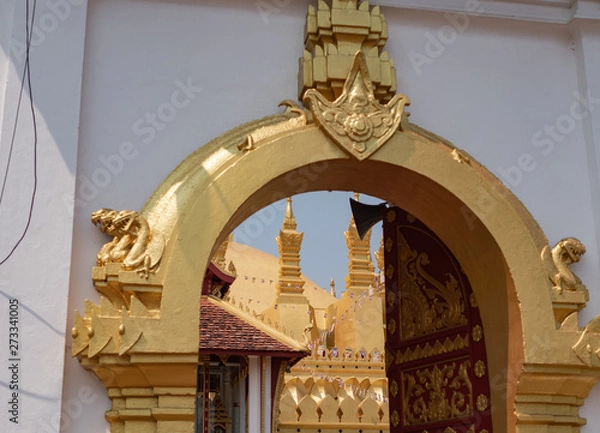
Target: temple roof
(226, 329)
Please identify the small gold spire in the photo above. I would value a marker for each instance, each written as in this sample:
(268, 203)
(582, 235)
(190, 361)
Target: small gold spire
(361, 271)
(289, 222)
(332, 288)
(289, 243)
(356, 196)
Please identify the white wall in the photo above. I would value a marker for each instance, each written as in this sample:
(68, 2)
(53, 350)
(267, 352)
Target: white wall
(490, 90)
(37, 275)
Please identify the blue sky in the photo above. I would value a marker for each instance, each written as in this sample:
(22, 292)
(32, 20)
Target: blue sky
(323, 217)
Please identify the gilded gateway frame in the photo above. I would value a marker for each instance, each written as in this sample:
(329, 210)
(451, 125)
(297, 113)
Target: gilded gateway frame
(142, 338)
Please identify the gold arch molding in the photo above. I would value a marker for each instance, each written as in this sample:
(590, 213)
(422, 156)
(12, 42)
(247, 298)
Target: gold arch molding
(142, 338)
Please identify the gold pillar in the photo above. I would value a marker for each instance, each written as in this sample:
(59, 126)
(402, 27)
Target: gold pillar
(291, 312)
(549, 399)
(153, 395)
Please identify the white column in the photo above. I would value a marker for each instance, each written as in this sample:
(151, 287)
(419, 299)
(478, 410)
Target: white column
(254, 369)
(587, 56)
(37, 274)
(242, 408)
(267, 398)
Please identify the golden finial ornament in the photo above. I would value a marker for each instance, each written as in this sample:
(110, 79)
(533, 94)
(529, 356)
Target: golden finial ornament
(289, 243)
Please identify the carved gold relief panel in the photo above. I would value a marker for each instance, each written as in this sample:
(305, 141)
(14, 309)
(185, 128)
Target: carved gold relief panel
(437, 393)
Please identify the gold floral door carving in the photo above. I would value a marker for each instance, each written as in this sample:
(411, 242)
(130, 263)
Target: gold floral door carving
(436, 357)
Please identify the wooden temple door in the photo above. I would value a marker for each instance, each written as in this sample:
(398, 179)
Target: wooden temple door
(435, 347)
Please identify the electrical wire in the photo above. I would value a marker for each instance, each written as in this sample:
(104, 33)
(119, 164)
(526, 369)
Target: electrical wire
(26, 76)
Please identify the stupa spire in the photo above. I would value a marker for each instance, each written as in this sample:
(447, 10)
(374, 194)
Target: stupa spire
(291, 310)
(357, 306)
(289, 222)
(289, 243)
(361, 269)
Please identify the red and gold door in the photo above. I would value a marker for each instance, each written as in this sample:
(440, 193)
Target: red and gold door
(435, 348)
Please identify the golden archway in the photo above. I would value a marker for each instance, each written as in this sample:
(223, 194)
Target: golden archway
(142, 339)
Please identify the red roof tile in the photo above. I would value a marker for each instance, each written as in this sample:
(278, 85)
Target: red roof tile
(222, 331)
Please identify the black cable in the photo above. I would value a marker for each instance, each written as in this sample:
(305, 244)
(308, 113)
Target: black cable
(14, 131)
(26, 74)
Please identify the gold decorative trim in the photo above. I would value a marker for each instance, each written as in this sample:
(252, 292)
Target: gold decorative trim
(395, 418)
(482, 402)
(356, 121)
(479, 368)
(278, 128)
(587, 347)
(390, 217)
(107, 330)
(391, 327)
(390, 296)
(473, 300)
(389, 271)
(428, 350)
(389, 244)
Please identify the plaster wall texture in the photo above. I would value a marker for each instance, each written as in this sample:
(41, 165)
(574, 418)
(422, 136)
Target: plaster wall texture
(37, 275)
(155, 80)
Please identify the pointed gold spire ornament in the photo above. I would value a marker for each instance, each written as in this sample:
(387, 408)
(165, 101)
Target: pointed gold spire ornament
(361, 270)
(291, 310)
(289, 243)
(356, 121)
